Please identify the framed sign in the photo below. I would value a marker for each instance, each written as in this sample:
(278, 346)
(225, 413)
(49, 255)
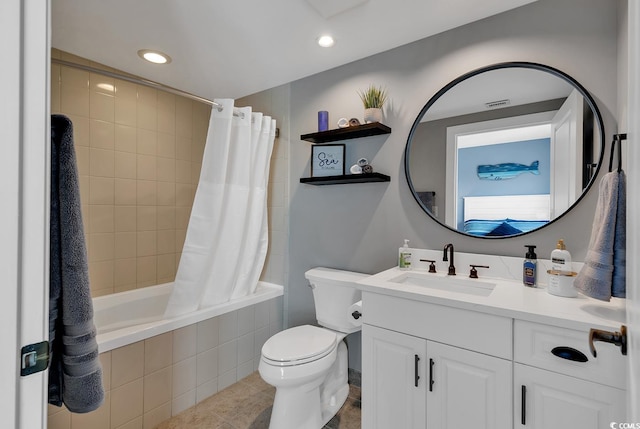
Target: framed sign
(327, 160)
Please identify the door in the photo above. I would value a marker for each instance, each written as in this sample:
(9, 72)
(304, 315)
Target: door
(566, 154)
(393, 379)
(24, 29)
(633, 204)
(469, 390)
(545, 399)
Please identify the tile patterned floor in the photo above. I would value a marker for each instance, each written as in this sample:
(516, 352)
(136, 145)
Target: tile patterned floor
(247, 405)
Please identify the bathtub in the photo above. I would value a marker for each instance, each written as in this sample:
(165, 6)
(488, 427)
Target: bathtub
(128, 317)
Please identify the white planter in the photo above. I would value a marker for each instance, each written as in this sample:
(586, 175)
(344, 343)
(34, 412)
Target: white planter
(373, 114)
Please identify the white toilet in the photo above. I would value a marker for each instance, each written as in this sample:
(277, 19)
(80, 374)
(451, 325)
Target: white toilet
(308, 365)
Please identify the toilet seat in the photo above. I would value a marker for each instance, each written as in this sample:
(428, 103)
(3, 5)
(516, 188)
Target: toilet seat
(299, 345)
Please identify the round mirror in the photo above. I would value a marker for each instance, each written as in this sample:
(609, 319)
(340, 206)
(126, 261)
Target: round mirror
(504, 150)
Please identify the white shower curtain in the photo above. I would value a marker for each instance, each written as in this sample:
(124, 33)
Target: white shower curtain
(227, 238)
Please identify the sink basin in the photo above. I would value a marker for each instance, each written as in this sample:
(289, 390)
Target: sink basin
(448, 283)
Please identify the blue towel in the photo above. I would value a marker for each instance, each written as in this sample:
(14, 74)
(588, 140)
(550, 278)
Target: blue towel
(606, 247)
(75, 373)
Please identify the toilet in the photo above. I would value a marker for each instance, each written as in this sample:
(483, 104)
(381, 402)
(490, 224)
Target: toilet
(308, 364)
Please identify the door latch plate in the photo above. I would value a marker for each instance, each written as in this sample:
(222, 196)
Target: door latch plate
(34, 358)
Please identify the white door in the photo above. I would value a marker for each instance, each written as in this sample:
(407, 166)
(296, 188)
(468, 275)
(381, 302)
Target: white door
(394, 379)
(545, 399)
(633, 209)
(24, 30)
(469, 390)
(566, 154)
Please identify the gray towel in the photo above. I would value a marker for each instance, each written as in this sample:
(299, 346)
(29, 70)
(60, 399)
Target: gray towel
(619, 285)
(75, 374)
(596, 278)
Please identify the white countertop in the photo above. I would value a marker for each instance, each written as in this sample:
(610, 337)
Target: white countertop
(509, 298)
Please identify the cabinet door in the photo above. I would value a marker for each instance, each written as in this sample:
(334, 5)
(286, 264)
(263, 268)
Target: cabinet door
(469, 389)
(393, 379)
(545, 399)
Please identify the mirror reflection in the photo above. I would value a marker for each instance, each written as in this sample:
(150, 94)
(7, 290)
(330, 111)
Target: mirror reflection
(504, 150)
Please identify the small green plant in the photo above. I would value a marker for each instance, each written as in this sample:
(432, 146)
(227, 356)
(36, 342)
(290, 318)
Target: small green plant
(373, 97)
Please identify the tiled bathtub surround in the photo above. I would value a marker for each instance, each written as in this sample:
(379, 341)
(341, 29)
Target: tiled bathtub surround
(139, 154)
(149, 381)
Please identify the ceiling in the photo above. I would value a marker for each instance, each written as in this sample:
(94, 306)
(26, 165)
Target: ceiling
(229, 49)
(518, 85)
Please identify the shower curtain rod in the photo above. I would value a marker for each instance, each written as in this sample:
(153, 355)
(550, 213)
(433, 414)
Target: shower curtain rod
(141, 81)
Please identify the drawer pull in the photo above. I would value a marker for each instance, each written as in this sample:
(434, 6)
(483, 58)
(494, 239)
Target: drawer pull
(569, 354)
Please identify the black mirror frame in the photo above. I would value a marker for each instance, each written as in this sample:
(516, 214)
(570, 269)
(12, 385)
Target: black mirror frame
(535, 66)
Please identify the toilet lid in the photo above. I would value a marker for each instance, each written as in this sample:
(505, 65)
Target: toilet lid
(302, 343)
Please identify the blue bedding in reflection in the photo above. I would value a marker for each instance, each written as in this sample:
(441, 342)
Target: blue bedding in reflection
(500, 227)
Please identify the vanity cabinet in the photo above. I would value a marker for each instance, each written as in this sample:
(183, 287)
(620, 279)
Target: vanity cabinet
(545, 399)
(412, 379)
(393, 379)
(558, 383)
(409, 382)
(469, 389)
(426, 365)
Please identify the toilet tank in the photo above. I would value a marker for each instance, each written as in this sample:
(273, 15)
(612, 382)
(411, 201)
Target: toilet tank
(333, 293)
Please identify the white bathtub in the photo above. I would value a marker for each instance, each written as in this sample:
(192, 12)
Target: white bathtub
(127, 317)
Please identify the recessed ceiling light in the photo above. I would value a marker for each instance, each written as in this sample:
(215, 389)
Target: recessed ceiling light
(326, 41)
(155, 57)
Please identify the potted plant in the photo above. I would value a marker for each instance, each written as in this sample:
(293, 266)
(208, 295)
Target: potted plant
(373, 99)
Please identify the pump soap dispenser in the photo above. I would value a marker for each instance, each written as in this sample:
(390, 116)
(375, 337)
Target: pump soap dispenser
(404, 256)
(529, 267)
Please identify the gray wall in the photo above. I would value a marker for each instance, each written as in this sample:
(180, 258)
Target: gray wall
(359, 227)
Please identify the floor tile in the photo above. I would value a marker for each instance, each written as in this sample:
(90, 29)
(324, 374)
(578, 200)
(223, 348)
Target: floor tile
(247, 405)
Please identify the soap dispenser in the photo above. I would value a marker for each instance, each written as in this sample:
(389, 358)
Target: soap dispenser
(560, 257)
(529, 267)
(404, 256)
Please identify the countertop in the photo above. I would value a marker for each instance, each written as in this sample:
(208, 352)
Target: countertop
(510, 298)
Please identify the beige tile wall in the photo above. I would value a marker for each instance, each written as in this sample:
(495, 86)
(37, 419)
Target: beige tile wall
(139, 154)
(149, 381)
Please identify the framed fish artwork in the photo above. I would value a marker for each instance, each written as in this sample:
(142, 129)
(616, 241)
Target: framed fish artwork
(507, 170)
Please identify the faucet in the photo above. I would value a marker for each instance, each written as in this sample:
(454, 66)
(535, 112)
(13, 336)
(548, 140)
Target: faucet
(452, 268)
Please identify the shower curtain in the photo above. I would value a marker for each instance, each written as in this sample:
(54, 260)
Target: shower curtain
(227, 238)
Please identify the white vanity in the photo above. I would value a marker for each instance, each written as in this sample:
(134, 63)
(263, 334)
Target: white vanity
(445, 351)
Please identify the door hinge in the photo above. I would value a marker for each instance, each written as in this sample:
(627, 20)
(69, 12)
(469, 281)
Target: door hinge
(34, 358)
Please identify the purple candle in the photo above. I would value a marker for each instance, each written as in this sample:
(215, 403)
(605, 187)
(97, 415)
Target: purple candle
(323, 120)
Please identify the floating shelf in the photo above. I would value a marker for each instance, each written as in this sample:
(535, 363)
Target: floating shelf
(347, 178)
(366, 130)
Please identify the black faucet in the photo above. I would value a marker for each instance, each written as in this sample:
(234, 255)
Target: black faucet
(452, 268)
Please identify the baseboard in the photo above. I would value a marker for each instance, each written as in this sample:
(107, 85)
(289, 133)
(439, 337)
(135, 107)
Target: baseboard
(355, 377)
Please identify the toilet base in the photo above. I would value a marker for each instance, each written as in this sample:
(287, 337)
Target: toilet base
(334, 404)
(313, 404)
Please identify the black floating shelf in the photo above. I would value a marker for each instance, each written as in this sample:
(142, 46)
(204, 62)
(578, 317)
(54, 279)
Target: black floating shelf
(348, 178)
(366, 130)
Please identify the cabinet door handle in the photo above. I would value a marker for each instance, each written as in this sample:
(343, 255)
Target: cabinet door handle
(431, 363)
(415, 370)
(569, 353)
(523, 414)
